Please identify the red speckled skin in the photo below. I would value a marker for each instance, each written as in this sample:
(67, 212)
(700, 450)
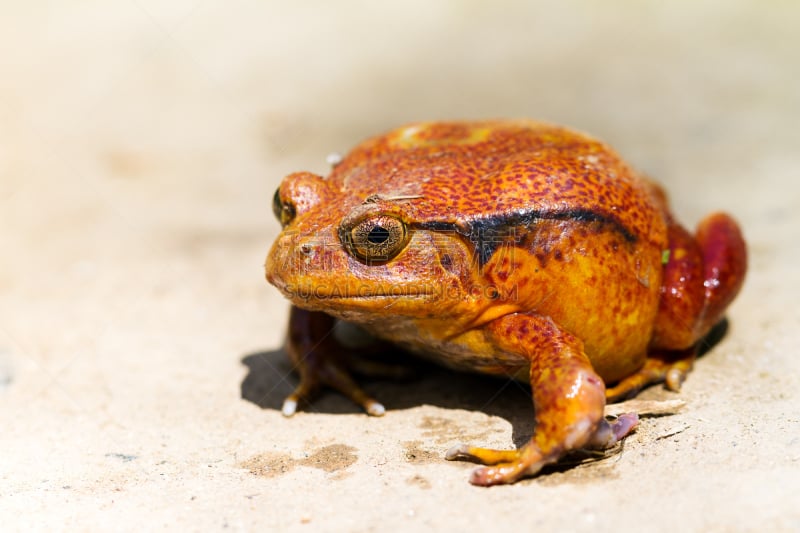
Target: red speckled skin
(531, 251)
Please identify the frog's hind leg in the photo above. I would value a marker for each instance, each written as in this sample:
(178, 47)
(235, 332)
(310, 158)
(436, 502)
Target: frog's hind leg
(668, 367)
(568, 396)
(702, 275)
(725, 265)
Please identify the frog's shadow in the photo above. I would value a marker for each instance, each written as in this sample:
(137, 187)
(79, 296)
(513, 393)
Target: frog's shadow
(270, 379)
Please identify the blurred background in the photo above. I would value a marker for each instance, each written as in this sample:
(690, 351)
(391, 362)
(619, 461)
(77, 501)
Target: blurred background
(141, 141)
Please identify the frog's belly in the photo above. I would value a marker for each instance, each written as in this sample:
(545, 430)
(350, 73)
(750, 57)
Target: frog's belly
(469, 352)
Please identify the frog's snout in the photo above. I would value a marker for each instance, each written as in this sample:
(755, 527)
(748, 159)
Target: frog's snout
(298, 259)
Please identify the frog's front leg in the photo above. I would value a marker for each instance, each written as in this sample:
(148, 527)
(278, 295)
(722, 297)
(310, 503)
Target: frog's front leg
(319, 359)
(568, 396)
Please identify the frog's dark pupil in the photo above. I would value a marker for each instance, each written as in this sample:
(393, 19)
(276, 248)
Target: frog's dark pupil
(378, 235)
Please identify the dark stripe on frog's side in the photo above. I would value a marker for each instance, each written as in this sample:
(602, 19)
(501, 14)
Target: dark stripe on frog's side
(486, 234)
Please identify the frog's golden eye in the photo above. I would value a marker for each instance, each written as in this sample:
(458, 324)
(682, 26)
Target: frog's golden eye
(376, 239)
(284, 211)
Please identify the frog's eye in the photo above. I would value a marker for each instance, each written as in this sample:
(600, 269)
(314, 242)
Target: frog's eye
(284, 211)
(376, 239)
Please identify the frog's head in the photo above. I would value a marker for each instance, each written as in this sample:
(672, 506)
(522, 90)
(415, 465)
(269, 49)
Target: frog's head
(362, 256)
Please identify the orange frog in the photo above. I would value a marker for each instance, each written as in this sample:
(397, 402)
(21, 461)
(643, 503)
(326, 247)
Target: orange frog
(512, 248)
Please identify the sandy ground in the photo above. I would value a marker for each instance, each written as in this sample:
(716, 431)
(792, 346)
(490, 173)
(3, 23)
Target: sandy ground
(141, 369)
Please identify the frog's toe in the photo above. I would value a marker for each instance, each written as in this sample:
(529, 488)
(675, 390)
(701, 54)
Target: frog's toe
(374, 408)
(289, 407)
(303, 393)
(676, 374)
(500, 474)
(609, 433)
(484, 456)
(340, 380)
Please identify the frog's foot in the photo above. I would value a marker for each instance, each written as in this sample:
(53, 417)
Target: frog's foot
(668, 367)
(327, 373)
(317, 358)
(507, 466)
(568, 398)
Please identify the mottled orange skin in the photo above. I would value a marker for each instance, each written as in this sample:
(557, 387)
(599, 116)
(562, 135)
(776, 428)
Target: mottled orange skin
(531, 251)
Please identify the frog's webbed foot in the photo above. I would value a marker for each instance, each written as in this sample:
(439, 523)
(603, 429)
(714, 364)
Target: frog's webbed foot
(318, 358)
(568, 396)
(668, 367)
(507, 466)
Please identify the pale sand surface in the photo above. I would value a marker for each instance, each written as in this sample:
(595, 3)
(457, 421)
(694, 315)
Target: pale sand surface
(141, 371)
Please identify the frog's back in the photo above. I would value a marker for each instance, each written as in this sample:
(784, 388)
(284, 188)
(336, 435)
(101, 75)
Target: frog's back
(494, 170)
(586, 231)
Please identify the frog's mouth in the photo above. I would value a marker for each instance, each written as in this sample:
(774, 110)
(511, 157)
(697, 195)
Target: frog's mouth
(362, 294)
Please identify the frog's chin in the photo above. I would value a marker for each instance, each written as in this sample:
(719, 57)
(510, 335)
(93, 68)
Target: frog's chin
(369, 308)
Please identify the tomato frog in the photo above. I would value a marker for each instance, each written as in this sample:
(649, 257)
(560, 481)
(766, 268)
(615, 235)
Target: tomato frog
(514, 248)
